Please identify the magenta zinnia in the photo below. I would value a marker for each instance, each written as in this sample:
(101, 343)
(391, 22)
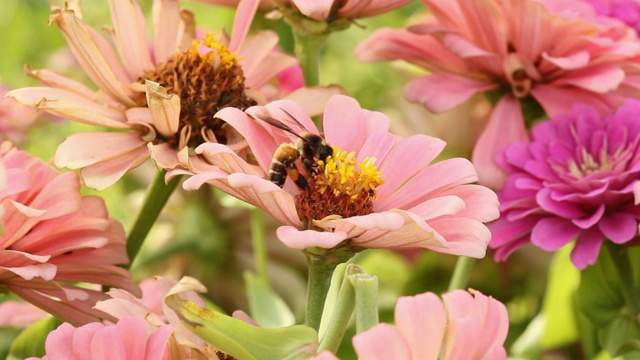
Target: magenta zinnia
(377, 190)
(52, 238)
(161, 96)
(573, 181)
(520, 51)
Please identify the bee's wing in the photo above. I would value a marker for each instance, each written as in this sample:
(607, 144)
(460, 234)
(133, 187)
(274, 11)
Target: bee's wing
(300, 129)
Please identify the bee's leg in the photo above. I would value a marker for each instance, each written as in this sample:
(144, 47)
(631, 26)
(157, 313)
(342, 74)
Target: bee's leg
(294, 174)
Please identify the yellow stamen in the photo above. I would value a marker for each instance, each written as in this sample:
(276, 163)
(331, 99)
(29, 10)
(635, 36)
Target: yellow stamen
(227, 58)
(341, 176)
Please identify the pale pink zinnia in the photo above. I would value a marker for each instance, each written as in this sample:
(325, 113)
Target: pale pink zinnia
(160, 94)
(574, 181)
(53, 238)
(463, 325)
(377, 190)
(15, 119)
(520, 51)
(128, 339)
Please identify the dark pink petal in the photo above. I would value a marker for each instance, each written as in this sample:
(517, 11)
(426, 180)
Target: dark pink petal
(587, 248)
(591, 219)
(619, 227)
(553, 233)
(564, 209)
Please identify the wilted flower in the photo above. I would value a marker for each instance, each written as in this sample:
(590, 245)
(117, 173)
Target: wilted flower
(162, 95)
(128, 339)
(54, 238)
(468, 325)
(573, 181)
(376, 190)
(520, 51)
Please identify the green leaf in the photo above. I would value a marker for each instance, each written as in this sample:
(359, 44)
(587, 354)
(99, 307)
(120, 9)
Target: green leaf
(267, 308)
(598, 296)
(621, 337)
(31, 340)
(238, 338)
(563, 280)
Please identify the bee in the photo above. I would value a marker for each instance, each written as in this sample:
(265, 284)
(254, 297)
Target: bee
(309, 147)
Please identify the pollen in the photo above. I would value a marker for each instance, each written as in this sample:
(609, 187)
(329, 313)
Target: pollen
(207, 78)
(340, 186)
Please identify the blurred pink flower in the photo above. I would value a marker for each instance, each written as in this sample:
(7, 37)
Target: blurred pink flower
(128, 339)
(161, 97)
(19, 314)
(468, 325)
(574, 180)
(627, 11)
(323, 10)
(15, 118)
(52, 237)
(378, 190)
(151, 307)
(519, 49)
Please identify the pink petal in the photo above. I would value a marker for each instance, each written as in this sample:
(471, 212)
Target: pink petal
(108, 344)
(444, 205)
(422, 320)
(130, 30)
(82, 339)
(347, 125)
(302, 239)
(382, 342)
(599, 79)
(244, 16)
(58, 343)
(158, 343)
(83, 149)
(134, 336)
(314, 99)
(466, 237)
(267, 69)
(553, 233)
(558, 100)
(573, 61)
(440, 92)
(315, 9)
(506, 126)
(166, 29)
(103, 174)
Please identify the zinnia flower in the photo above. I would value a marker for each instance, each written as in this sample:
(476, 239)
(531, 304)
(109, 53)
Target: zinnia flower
(518, 49)
(53, 238)
(128, 339)
(627, 11)
(15, 119)
(161, 97)
(573, 181)
(377, 190)
(468, 325)
(183, 343)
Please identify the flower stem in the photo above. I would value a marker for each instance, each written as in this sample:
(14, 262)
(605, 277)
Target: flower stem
(320, 272)
(307, 48)
(259, 245)
(461, 273)
(366, 287)
(622, 266)
(340, 315)
(156, 198)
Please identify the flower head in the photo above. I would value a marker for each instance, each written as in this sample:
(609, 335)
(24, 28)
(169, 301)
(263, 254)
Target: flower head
(573, 181)
(627, 11)
(463, 325)
(53, 238)
(128, 339)
(375, 190)
(520, 50)
(161, 97)
(15, 119)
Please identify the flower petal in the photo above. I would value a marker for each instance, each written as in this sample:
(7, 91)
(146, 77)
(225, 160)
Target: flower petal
(440, 92)
(553, 233)
(302, 239)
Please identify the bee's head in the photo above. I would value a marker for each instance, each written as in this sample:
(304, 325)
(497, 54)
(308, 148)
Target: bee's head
(324, 152)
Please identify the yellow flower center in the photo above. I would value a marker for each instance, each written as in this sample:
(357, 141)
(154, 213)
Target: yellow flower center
(207, 78)
(339, 186)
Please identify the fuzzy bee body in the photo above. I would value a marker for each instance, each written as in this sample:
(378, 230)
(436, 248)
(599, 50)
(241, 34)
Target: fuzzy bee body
(309, 147)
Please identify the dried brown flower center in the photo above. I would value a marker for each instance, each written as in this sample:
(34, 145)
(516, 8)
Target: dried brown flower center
(207, 78)
(339, 187)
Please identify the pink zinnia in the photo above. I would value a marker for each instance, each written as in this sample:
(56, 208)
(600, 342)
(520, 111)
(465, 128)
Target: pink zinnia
(573, 181)
(15, 119)
(53, 238)
(627, 11)
(463, 325)
(158, 94)
(377, 190)
(518, 48)
(128, 339)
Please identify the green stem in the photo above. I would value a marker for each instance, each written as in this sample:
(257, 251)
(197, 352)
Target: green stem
(366, 287)
(461, 273)
(307, 48)
(156, 198)
(340, 316)
(259, 245)
(320, 272)
(622, 265)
